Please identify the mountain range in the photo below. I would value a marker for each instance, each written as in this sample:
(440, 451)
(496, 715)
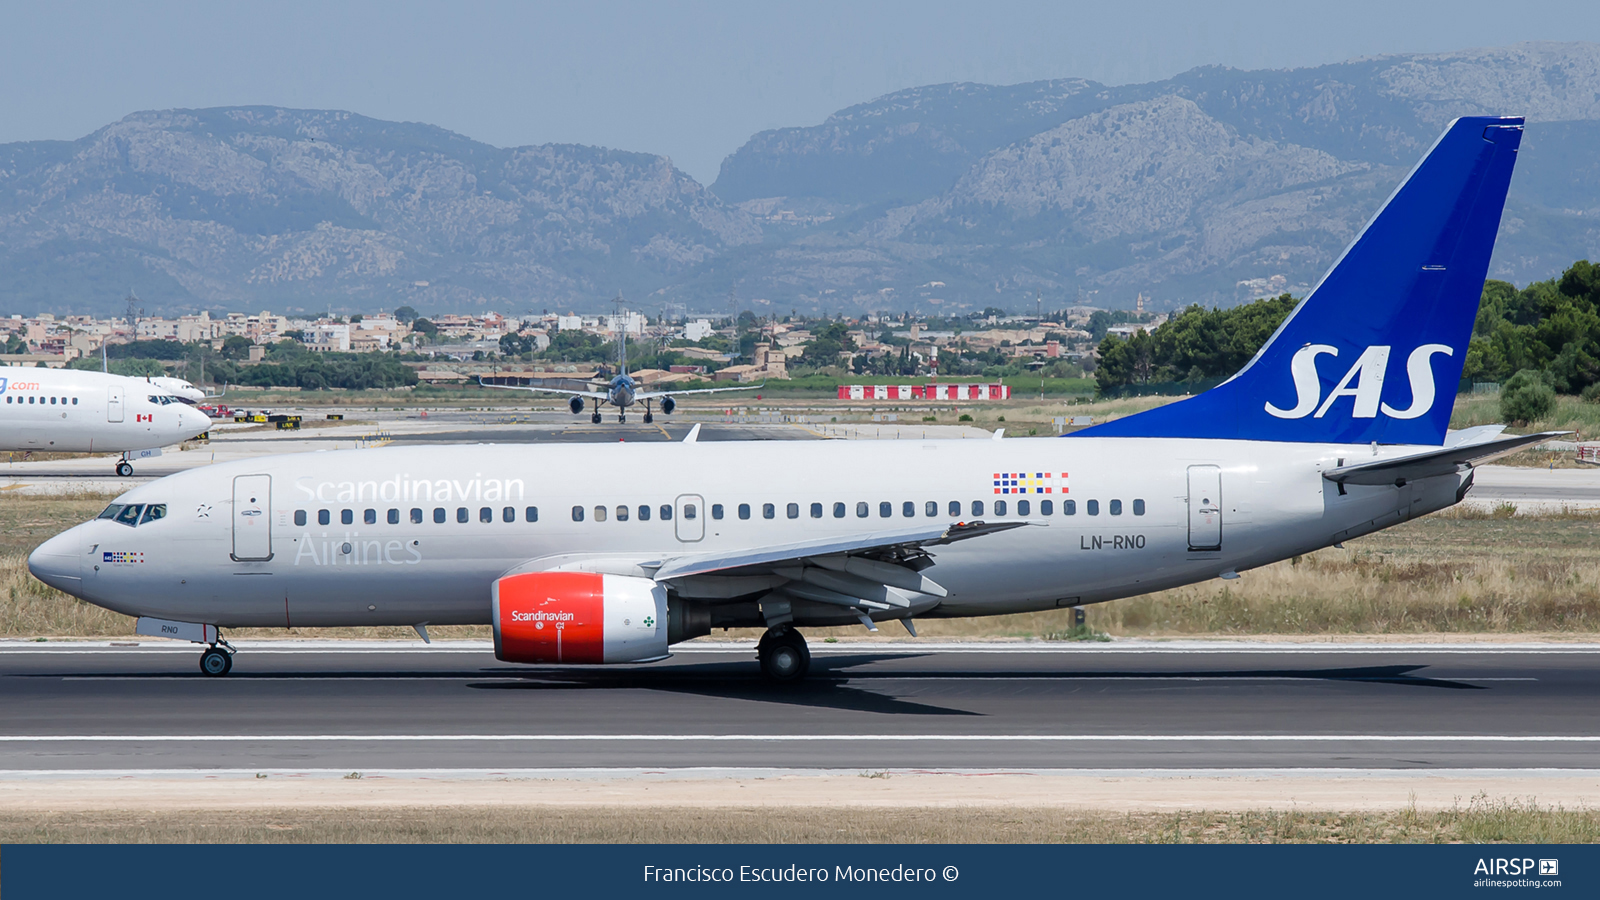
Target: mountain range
(1214, 186)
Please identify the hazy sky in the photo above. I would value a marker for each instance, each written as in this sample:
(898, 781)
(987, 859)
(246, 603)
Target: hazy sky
(691, 80)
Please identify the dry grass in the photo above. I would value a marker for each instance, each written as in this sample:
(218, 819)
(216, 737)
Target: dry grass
(1456, 572)
(1480, 821)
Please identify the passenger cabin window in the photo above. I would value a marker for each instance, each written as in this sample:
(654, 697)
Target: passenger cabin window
(599, 513)
(999, 507)
(885, 509)
(1047, 507)
(438, 515)
(1069, 507)
(744, 510)
(486, 514)
(394, 517)
(508, 514)
(816, 510)
(1116, 507)
(324, 517)
(347, 517)
(977, 508)
(792, 510)
(416, 516)
(861, 509)
(931, 508)
(768, 511)
(688, 511)
(1138, 507)
(369, 517)
(300, 517)
(644, 513)
(577, 514)
(716, 510)
(908, 509)
(666, 512)
(955, 508)
(838, 510)
(531, 514)
(1092, 507)
(1023, 508)
(622, 514)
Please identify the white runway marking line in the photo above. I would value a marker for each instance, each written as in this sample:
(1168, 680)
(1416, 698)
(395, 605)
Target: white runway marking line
(514, 677)
(804, 738)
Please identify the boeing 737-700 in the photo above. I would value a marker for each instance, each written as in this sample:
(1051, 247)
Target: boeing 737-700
(622, 391)
(67, 410)
(612, 553)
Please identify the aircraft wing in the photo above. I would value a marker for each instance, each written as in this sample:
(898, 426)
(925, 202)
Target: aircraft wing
(1445, 461)
(598, 395)
(650, 395)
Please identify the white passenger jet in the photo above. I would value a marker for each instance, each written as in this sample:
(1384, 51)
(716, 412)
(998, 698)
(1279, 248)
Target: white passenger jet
(68, 410)
(622, 392)
(611, 553)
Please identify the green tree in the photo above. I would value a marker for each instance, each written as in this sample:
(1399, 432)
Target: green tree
(1526, 397)
(423, 326)
(405, 314)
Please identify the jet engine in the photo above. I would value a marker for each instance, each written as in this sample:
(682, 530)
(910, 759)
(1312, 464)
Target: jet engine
(576, 405)
(668, 405)
(579, 617)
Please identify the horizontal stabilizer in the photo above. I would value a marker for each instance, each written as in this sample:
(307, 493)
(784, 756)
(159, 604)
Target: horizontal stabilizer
(1435, 462)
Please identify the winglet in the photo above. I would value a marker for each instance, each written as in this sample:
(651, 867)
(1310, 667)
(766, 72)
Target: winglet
(998, 434)
(694, 434)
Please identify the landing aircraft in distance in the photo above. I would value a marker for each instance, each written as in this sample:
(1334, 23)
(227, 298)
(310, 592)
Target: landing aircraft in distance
(69, 410)
(610, 553)
(621, 393)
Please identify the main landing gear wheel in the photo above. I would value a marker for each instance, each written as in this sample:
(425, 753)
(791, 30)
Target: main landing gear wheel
(216, 662)
(649, 419)
(124, 468)
(622, 418)
(594, 418)
(784, 656)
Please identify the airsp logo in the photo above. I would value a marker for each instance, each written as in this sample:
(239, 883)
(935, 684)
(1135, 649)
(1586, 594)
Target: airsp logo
(1364, 382)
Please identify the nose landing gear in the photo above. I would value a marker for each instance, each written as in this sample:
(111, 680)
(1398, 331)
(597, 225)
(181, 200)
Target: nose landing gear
(124, 468)
(784, 656)
(218, 659)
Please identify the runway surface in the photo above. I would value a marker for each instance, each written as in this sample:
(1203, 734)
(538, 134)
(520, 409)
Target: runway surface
(85, 709)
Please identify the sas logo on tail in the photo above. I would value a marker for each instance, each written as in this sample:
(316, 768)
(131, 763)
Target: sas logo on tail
(1363, 382)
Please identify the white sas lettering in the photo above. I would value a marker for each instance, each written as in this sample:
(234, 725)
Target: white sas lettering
(1363, 382)
(1307, 386)
(1419, 370)
(1370, 368)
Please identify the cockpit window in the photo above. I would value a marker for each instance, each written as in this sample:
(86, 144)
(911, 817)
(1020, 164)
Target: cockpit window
(163, 399)
(153, 512)
(135, 514)
(111, 511)
(130, 514)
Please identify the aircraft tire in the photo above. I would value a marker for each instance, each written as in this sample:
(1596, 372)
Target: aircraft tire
(215, 663)
(594, 418)
(784, 656)
(124, 469)
(649, 419)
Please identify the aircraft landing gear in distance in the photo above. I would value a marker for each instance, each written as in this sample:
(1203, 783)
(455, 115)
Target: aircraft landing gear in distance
(124, 468)
(649, 419)
(622, 418)
(784, 656)
(594, 418)
(216, 662)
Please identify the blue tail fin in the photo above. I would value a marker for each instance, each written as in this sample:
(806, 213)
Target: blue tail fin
(1374, 352)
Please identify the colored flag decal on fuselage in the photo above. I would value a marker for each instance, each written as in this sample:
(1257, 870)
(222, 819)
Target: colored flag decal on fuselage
(1030, 483)
(122, 556)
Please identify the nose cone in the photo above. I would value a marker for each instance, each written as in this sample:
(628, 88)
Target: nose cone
(193, 421)
(56, 562)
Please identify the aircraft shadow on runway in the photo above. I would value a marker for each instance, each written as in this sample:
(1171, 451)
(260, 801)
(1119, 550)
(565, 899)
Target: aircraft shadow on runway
(736, 681)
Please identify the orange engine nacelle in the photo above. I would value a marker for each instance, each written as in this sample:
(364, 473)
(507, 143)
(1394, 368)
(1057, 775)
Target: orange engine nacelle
(579, 617)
